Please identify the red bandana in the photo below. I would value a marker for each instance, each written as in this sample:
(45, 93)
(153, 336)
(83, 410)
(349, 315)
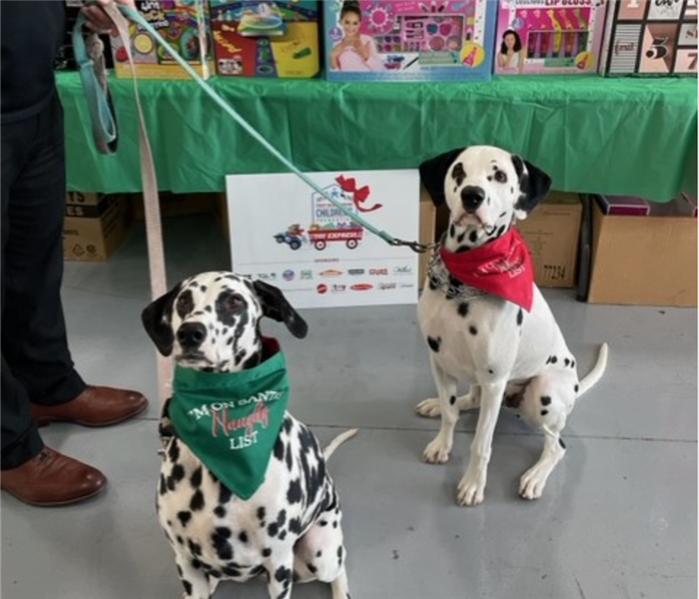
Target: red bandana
(502, 267)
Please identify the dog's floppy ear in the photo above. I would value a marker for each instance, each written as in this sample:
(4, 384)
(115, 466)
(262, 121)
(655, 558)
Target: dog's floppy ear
(534, 184)
(276, 307)
(157, 319)
(433, 172)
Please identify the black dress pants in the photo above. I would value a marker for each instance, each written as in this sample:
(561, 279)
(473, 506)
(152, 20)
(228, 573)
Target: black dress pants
(36, 361)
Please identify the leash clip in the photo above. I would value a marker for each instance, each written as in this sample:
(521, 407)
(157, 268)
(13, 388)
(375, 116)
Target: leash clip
(418, 248)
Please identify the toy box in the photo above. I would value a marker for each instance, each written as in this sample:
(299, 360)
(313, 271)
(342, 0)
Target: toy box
(549, 36)
(651, 37)
(409, 41)
(266, 39)
(183, 24)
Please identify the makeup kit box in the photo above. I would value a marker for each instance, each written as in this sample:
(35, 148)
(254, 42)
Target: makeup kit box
(374, 40)
(549, 36)
(651, 37)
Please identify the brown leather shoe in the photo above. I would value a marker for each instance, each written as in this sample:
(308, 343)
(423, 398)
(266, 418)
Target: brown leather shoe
(96, 406)
(51, 478)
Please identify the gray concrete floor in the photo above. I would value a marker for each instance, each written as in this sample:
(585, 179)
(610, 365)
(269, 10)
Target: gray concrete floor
(618, 518)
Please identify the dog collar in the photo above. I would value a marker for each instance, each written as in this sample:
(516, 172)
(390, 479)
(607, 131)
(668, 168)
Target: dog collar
(441, 279)
(502, 267)
(231, 420)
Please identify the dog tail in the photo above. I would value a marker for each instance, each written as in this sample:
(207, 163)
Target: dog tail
(337, 441)
(597, 371)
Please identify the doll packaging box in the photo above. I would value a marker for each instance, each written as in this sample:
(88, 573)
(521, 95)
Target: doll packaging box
(266, 39)
(549, 36)
(183, 24)
(651, 37)
(409, 41)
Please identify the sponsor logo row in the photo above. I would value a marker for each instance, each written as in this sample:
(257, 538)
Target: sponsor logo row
(329, 273)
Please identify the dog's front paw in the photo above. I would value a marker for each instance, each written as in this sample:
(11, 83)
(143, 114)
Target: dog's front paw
(437, 450)
(429, 408)
(532, 483)
(471, 489)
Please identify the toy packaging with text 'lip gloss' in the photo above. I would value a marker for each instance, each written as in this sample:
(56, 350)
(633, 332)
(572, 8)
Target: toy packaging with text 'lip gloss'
(549, 36)
(409, 41)
(651, 37)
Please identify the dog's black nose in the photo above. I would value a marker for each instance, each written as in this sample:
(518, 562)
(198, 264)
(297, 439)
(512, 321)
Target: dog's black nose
(472, 197)
(191, 334)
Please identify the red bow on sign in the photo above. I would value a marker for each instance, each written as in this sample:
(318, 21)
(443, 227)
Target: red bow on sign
(359, 195)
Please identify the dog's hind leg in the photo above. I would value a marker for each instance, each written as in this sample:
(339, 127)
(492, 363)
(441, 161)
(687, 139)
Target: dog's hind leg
(533, 481)
(431, 408)
(281, 577)
(437, 450)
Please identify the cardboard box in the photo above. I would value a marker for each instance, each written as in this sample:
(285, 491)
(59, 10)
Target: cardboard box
(649, 260)
(266, 39)
(552, 231)
(183, 24)
(175, 204)
(409, 41)
(428, 227)
(94, 226)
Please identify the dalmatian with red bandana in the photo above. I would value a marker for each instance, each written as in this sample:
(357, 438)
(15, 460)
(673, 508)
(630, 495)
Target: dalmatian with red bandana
(510, 355)
(290, 529)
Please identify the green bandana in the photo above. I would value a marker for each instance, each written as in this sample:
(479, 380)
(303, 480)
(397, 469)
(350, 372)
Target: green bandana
(231, 420)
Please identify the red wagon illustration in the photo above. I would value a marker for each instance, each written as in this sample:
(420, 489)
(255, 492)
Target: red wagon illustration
(351, 236)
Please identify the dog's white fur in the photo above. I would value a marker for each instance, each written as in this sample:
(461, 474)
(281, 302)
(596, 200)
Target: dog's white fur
(513, 356)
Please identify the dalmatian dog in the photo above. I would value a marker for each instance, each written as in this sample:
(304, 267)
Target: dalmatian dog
(508, 355)
(289, 530)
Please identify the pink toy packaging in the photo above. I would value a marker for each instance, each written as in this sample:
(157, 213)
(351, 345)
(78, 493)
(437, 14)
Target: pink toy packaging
(374, 40)
(549, 36)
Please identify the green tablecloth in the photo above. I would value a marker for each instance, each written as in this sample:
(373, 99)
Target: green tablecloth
(615, 136)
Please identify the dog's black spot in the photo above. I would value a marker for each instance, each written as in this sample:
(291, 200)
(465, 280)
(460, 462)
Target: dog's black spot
(282, 535)
(231, 571)
(243, 537)
(572, 363)
(266, 552)
(520, 317)
(560, 442)
(576, 388)
(473, 330)
(434, 343)
(219, 541)
(548, 360)
(197, 502)
(209, 309)
(512, 189)
(177, 474)
(323, 523)
(452, 400)
(503, 214)
(173, 451)
(293, 495)
(295, 526)
(491, 371)
(461, 237)
(195, 479)
(187, 587)
(184, 518)
(489, 177)
(224, 494)
(545, 400)
(273, 529)
(463, 309)
(252, 361)
(452, 230)
(220, 511)
(311, 568)
(163, 485)
(282, 574)
(566, 361)
(339, 555)
(473, 236)
(544, 412)
(319, 552)
(194, 548)
(279, 448)
(458, 173)
(261, 514)
(554, 359)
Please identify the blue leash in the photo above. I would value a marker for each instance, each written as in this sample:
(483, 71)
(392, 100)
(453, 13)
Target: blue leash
(105, 131)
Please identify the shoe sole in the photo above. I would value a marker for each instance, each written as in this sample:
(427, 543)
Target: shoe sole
(46, 420)
(56, 503)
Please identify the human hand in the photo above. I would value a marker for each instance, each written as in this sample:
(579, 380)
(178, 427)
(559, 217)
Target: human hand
(97, 19)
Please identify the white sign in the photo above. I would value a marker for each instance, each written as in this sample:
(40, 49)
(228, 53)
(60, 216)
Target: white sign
(285, 233)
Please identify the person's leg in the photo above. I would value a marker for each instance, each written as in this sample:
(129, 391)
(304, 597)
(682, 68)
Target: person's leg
(34, 341)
